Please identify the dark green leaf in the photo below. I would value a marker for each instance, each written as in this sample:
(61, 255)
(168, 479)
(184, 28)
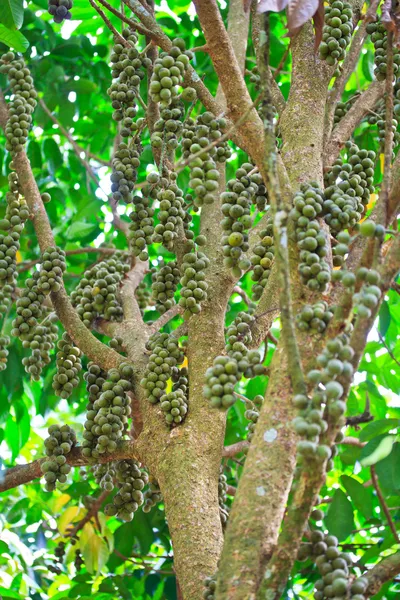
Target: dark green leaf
(34, 154)
(339, 519)
(361, 497)
(52, 153)
(384, 319)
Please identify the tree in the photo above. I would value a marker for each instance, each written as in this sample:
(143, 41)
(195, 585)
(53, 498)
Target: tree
(189, 209)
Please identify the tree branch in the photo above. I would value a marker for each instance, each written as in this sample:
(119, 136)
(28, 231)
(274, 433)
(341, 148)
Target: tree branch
(170, 314)
(93, 510)
(230, 451)
(131, 282)
(348, 66)
(83, 338)
(342, 132)
(237, 97)
(383, 571)
(22, 474)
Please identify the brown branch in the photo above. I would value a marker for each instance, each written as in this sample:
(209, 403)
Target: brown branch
(131, 282)
(346, 126)
(383, 504)
(237, 97)
(348, 66)
(352, 441)
(84, 339)
(237, 448)
(238, 290)
(110, 26)
(22, 474)
(170, 314)
(93, 510)
(133, 24)
(383, 571)
(364, 417)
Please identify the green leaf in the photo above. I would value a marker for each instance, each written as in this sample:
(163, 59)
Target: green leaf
(12, 437)
(388, 471)
(94, 549)
(34, 154)
(81, 86)
(52, 153)
(79, 230)
(384, 319)
(12, 13)
(339, 519)
(3, 547)
(360, 496)
(377, 449)
(13, 39)
(377, 427)
(9, 594)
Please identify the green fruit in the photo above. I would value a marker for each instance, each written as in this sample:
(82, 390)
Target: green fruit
(367, 228)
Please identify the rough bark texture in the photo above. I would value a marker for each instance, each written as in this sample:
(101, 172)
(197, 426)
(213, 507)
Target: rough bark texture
(257, 512)
(260, 543)
(302, 149)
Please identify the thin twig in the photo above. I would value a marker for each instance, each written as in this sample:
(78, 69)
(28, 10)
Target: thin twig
(77, 149)
(364, 417)
(134, 24)
(383, 504)
(26, 265)
(238, 290)
(142, 565)
(231, 451)
(110, 26)
(279, 68)
(170, 314)
(93, 510)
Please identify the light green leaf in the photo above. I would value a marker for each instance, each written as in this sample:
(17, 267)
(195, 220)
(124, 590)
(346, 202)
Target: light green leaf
(339, 519)
(9, 594)
(79, 230)
(13, 39)
(378, 427)
(12, 13)
(376, 450)
(94, 549)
